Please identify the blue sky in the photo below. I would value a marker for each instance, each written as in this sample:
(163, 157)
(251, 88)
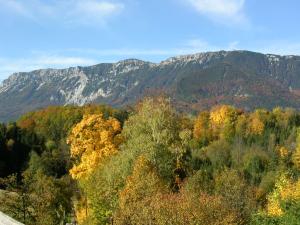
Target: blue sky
(61, 33)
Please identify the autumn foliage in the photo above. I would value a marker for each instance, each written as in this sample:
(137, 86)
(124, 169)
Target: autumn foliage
(92, 141)
(153, 165)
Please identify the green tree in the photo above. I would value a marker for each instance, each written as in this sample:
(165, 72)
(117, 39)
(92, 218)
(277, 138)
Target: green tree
(237, 195)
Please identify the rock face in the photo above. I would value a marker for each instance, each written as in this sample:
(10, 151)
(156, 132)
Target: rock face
(242, 78)
(6, 220)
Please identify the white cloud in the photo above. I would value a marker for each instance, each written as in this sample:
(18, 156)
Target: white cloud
(87, 12)
(84, 12)
(230, 12)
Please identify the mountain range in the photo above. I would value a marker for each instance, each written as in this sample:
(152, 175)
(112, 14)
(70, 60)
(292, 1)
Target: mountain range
(242, 78)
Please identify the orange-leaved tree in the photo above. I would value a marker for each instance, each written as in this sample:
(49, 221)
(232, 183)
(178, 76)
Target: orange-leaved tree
(92, 140)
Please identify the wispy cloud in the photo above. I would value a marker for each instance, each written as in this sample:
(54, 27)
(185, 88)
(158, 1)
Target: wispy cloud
(229, 12)
(190, 46)
(280, 47)
(87, 12)
(15, 7)
(83, 57)
(92, 10)
(9, 65)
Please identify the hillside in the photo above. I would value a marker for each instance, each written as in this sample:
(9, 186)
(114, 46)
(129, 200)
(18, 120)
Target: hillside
(241, 78)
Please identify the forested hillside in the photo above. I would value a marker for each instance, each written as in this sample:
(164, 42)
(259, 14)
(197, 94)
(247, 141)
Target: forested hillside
(152, 165)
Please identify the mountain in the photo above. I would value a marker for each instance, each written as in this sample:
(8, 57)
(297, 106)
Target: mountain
(242, 78)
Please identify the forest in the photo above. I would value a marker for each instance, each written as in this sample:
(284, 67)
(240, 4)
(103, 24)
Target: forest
(150, 164)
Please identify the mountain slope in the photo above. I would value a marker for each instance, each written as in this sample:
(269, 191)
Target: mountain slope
(242, 78)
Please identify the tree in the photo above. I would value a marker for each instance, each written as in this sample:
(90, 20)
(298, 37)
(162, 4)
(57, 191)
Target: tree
(15, 200)
(92, 140)
(237, 195)
(182, 208)
(154, 131)
(296, 154)
(202, 128)
(223, 120)
(15, 145)
(199, 183)
(50, 198)
(255, 163)
(283, 204)
(137, 192)
(256, 125)
(39, 199)
(218, 153)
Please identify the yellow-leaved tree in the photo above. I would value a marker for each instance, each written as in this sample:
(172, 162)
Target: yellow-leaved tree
(296, 154)
(223, 119)
(287, 192)
(92, 140)
(256, 124)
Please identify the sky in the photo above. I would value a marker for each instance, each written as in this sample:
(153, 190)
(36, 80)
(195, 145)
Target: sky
(37, 34)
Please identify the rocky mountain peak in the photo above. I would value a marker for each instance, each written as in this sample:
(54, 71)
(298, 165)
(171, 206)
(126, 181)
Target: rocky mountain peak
(195, 81)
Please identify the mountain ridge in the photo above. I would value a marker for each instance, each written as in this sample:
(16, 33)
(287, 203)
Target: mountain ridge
(196, 81)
